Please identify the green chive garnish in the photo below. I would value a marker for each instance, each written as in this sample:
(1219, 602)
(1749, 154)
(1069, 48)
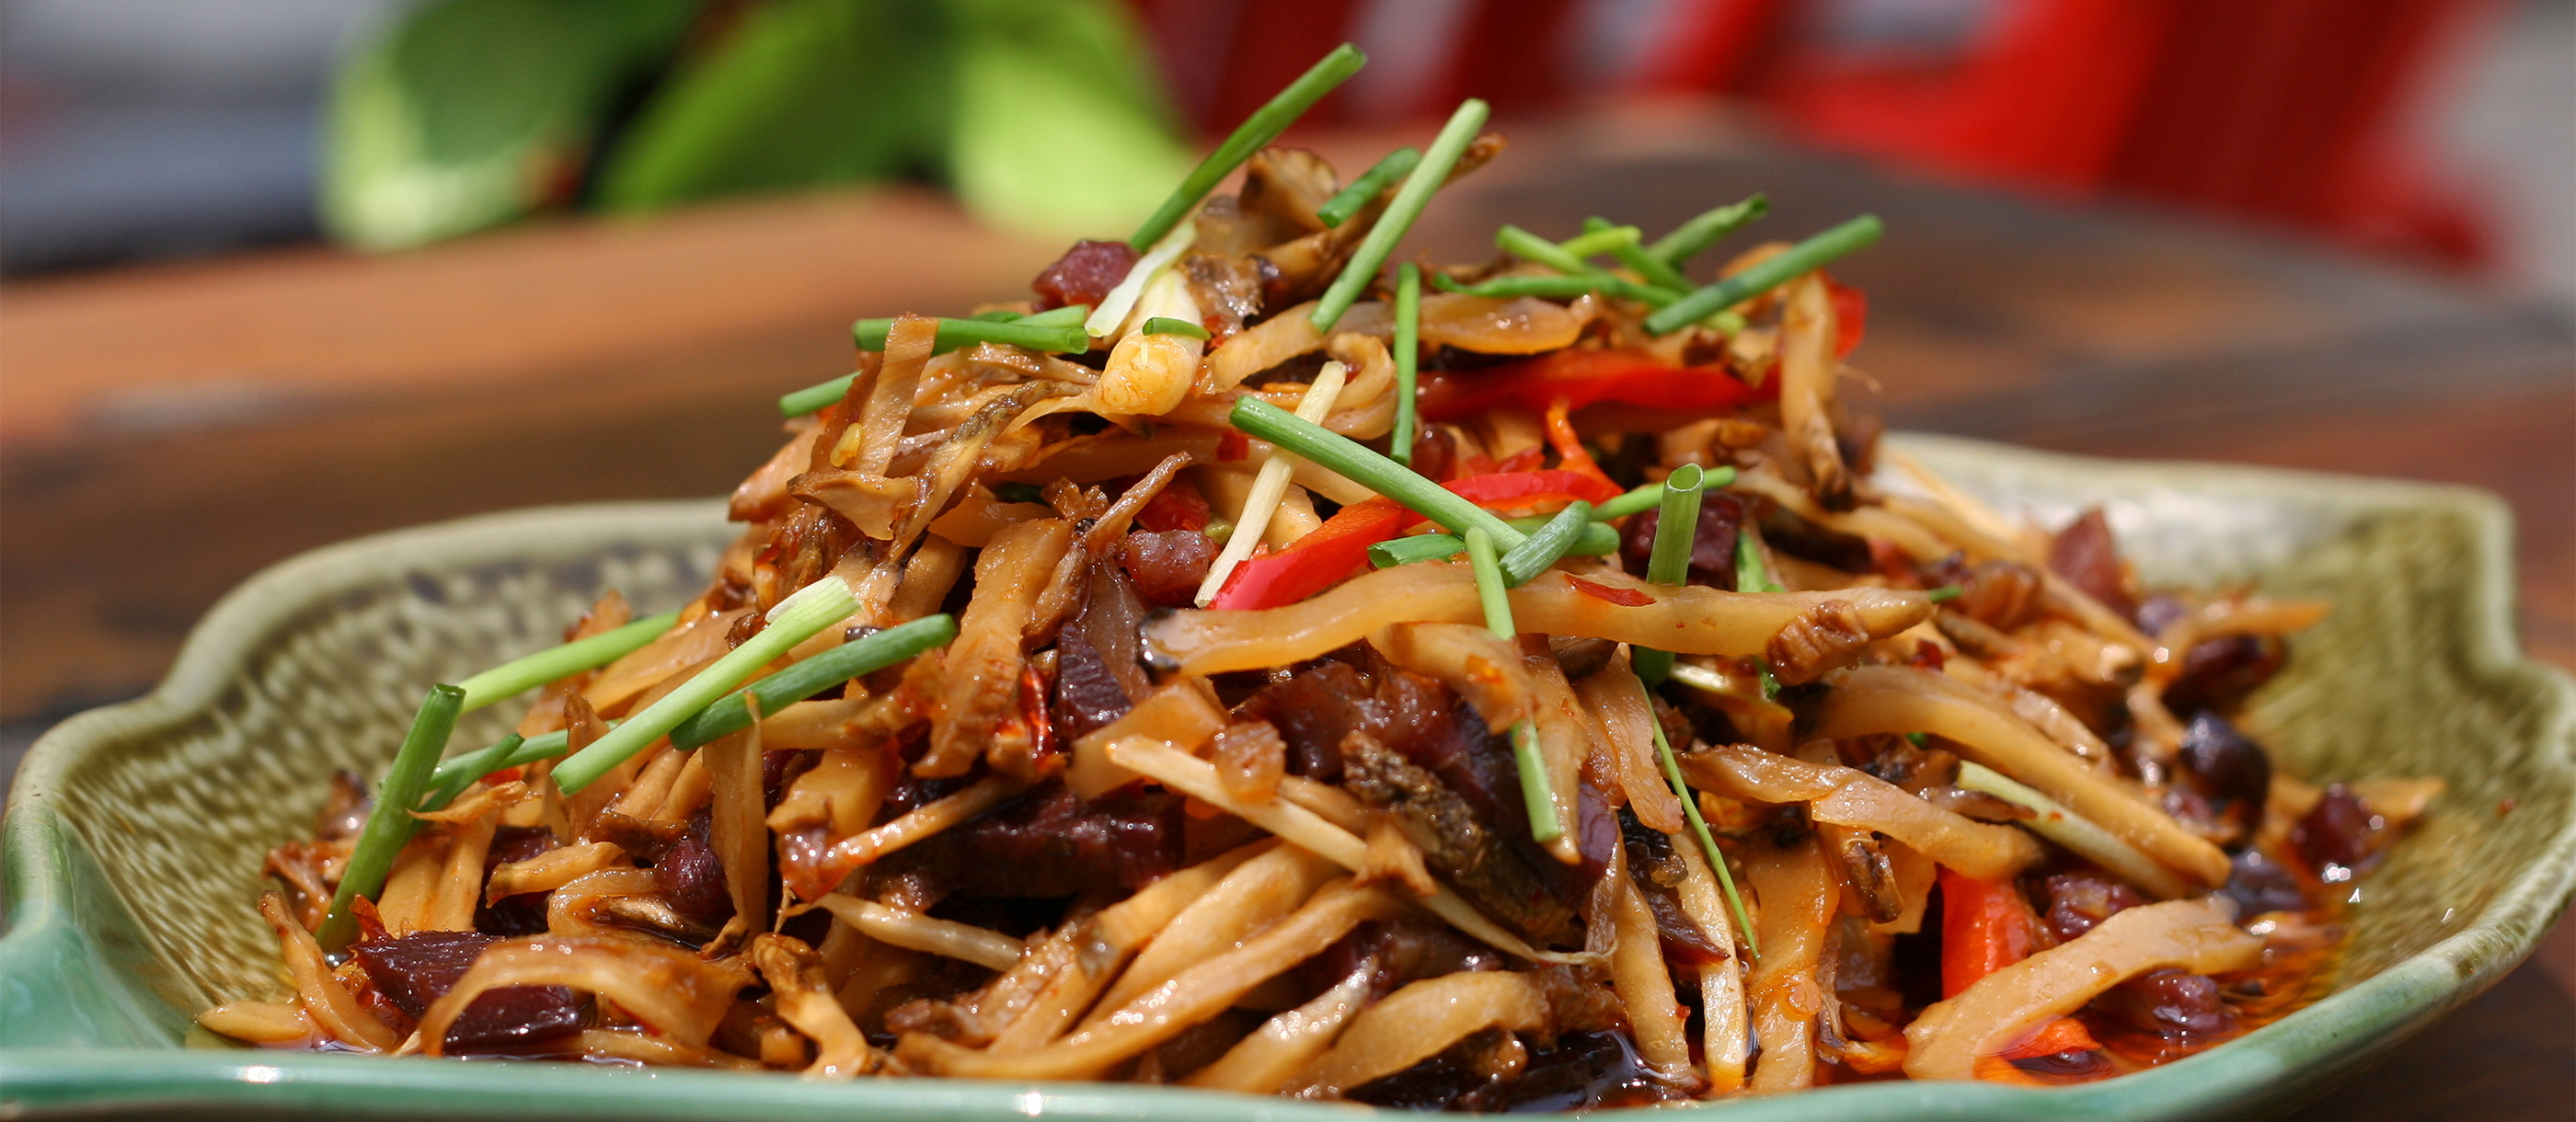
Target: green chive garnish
(1749, 573)
(1943, 593)
(814, 397)
(1770, 273)
(1346, 457)
(1655, 270)
(1705, 229)
(1035, 334)
(1552, 541)
(1595, 540)
(1166, 325)
(802, 680)
(1263, 126)
(1599, 237)
(1409, 200)
(1533, 248)
(571, 658)
(1698, 824)
(1676, 528)
(871, 334)
(1651, 495)
(1408, 357)
(1525, 754)
(389, 824)
(1371, 183)
(795, 619)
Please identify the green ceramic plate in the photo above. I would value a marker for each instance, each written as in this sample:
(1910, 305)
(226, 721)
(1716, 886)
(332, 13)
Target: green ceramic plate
(135, 833)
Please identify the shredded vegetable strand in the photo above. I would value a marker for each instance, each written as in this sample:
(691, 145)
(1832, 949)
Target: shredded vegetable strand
(1270, 484)
(1409, 200)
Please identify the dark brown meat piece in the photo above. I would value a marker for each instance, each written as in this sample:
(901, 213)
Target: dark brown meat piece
(2088, 557)
(691, 880)
(2340, 835)
(1098, 677)
(1397, 952)
(2230, 769)
(1712, 559)
(1313, 712)
(1168, 566)
(2076, 902)
(1084, 274)
(1455, 841)
(524, 914)
(2220, 673)
(1658, 872)
(414, 970)
(2259, 884)
(1050, 843)
(2167, 1003)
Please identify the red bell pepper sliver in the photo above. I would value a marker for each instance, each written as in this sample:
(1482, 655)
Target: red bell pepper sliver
(1985, 926)
(2065, 1034)
(1571, 455)
(1851, 317)
(1551, 488)
(1232, 447)
(1178, 506)
(1583, 377)
(1624, 597)
(1315, 562)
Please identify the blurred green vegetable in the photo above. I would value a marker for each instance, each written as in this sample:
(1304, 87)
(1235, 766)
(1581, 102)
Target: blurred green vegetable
(1042, 115)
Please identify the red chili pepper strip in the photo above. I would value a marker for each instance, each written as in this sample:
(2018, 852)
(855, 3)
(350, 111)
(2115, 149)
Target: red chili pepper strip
(1624, 597)
(1515, 490)
(1583, 377)
(1985, 926)
(1571, 455)
(1316, 561)
(1851, 316)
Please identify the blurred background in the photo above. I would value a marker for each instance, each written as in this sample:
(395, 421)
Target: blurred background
(275, 273)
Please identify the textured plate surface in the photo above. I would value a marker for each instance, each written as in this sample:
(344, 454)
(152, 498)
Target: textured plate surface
(162, 808)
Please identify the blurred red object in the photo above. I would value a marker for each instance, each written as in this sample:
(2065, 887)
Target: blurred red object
(2298, 112)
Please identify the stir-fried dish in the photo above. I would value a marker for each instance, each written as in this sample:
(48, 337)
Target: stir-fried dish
(1511, 685)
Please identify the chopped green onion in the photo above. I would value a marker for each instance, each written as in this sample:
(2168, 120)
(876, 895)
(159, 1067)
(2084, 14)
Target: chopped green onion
(814, 675)
(1595, 540)
(1535, 796)
(1698, 824)
(1705, 229)
(1945, 592)
(1166, 325)
(997, 315)
(1409, 200)
(1561, 288)
(574, 657)
(1541, 549)
(454, 776)
(815, 397)
(1676, 529)
(1765, 275)
(1655, 270)
(1408, 358)
(1263, 126)
(390, 823)
(1600, 237)
(1914, 738)
(1371, 183)
(795, 619)
(1349, 459)
(1651, 495)
(1531, 247)
(955, 333)
(1749, 573)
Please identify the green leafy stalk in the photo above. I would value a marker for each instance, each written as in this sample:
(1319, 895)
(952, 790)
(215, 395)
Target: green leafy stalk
(1535, 797)
(1699, 826)
(1705, 230)
(814, 675)
(1408, 358)
(1035, 334)
(1599, 237)
(1676, 528)
(1371, 183)
(1551, 541)
(390, 823)
(1655, 270)
(1166, 325)
(1348, 458)
(1595, 540)
(555, 662)
(1770, 273)
(1944, 593)
(1437, 162)
(1263, 126)
(794, 620)
(1562, 288)
(1651, 495)
(871, 334)
(1750, 576)
(1533, 248)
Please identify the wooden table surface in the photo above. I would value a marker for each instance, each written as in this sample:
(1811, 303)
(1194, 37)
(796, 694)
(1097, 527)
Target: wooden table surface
(166, 432)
